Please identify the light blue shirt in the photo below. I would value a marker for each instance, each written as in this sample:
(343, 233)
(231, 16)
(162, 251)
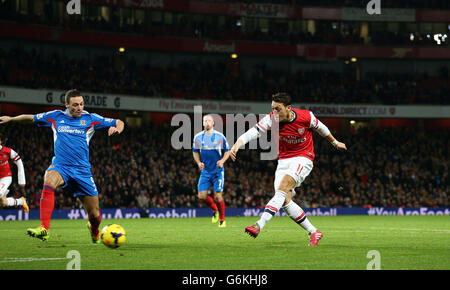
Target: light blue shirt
(211, 148)
(71, 136)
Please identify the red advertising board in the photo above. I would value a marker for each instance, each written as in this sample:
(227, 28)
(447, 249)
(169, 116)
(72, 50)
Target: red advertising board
(269, 10)
(316, 52)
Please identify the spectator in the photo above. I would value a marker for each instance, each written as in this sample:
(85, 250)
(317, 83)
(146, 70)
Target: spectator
(206, 80)
(394, 174)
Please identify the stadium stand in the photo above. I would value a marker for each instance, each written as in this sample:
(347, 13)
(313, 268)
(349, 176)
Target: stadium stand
(404, 169)
(403, 62)
(207, 80)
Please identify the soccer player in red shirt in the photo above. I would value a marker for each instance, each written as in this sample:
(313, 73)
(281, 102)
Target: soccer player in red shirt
(295, 159)
(7, 154)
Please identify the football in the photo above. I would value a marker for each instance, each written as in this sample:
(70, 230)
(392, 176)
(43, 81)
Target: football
(113, 236)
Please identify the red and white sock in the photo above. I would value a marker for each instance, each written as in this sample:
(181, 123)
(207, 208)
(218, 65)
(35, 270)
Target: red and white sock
(296, 213)
(272, 207)
(14, 202)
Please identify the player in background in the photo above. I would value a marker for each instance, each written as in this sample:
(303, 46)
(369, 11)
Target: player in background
(208, 148)
(295, 159)
(7, 154)
(72, 132)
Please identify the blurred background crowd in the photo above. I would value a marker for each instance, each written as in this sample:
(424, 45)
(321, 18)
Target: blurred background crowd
(139, 168)
(319, 51)
(233, 28)
(216, 80)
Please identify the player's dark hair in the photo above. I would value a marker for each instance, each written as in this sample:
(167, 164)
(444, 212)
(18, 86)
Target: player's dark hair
(283, 98)
(71, 94)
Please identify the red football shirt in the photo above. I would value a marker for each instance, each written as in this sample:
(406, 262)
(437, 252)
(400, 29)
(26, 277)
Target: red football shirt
(295, 137)
(6, 154)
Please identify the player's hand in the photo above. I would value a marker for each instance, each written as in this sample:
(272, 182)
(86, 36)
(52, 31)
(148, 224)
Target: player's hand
(113, 131)
(201, 165)
(340, 146)
(235, 149)
(233, 152)
(4, 119)
(220, 163)
(22, 187)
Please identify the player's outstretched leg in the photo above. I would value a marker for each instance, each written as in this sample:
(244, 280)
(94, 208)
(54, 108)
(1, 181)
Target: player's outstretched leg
(91, 205)
(15, 202)
(39, 233)
(24, 205)
(95, 236)
(47, 204)
(253, 230)
(94, 224)
(296, 213)
(272, 207)
(315, 238)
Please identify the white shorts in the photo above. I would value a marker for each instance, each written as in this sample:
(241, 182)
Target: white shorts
(5, 182)
(297, 167)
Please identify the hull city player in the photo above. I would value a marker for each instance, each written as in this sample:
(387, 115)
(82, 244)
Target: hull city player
(72, 132)
(210, 152)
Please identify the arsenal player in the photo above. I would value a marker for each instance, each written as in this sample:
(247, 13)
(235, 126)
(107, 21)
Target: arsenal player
(6, 155)
(295, 159)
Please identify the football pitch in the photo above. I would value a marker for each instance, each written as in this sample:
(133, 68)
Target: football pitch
(350, 242)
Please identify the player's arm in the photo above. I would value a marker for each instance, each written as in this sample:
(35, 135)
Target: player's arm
(117, 129)
(323, 131)
(198, 161)
(224, 159)
(338, 145)
(226, 154)
(248, 136)
(251, 134)
(20, 169)
(196, 146)
(20, 118)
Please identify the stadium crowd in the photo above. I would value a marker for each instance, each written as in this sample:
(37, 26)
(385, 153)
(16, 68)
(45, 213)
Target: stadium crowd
(350, 3)
(233, 29)
(207, 80)
(139, 168)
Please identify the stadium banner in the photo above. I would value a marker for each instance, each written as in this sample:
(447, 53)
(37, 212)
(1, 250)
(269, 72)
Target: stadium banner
(129, 213)
(145, 104)
(391, 14)
(105, 39)
(264, 10)
(430, 15)
(244, 8)
(183, 5)
(205, 7)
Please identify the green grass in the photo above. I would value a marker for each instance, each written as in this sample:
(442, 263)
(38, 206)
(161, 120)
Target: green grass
(404, 242)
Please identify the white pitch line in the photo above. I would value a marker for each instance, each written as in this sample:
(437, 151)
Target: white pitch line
(30, 259)
(367, 230)
(407, 229)
(421, 230)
